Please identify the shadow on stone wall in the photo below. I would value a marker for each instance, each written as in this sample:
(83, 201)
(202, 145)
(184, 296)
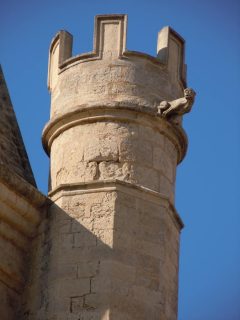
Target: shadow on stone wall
(102, 256)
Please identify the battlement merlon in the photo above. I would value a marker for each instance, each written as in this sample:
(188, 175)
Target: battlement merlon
(171, 52)
(110, 43)
(60, 50)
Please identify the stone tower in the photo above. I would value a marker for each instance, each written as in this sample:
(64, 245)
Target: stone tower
(108, 245)
(114, 141)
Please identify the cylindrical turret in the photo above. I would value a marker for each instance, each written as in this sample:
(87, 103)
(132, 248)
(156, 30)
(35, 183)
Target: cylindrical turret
(114, 230)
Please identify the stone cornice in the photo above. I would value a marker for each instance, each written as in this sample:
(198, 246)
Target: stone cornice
(117, 185)
(24, 189)
(115, 111)
(22, 207)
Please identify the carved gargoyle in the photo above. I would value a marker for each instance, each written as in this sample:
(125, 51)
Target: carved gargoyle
(177, 107)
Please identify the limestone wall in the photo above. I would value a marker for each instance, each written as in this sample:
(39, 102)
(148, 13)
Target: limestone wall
(13, 154)
(114, 150)
(112, 234)
(111, 252)
(21, 210)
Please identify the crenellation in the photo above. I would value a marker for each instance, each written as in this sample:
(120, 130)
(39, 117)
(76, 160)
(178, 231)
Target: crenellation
(127, 67)
(60, 50)
(110, 35)
(171, 52)
(104, 244)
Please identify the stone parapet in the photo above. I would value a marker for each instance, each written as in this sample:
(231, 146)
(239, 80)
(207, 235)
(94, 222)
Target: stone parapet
(113, 73)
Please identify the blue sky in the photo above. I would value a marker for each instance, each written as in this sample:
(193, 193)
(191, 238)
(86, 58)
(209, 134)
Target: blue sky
(207, 189)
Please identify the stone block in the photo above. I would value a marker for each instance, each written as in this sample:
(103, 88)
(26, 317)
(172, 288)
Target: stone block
(84, 239)
(73, 287)
(166, 188)
(67, 271)
(91, 301)
(88, 269)
(147, 177)
(150, 135)
(103, 148)
(67, 241)
(76, 304)
(110, 170)
(117, 270)
(127, 149)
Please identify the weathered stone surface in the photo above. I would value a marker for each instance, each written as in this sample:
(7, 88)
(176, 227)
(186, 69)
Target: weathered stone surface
(105, 244)
(116, 245)
(13, 154)
(124, 151)
(21, 208)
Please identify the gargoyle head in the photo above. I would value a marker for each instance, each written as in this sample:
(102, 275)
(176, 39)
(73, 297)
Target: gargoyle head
(189, 94)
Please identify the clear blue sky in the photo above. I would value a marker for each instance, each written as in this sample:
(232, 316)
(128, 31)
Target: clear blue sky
(207, 189)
